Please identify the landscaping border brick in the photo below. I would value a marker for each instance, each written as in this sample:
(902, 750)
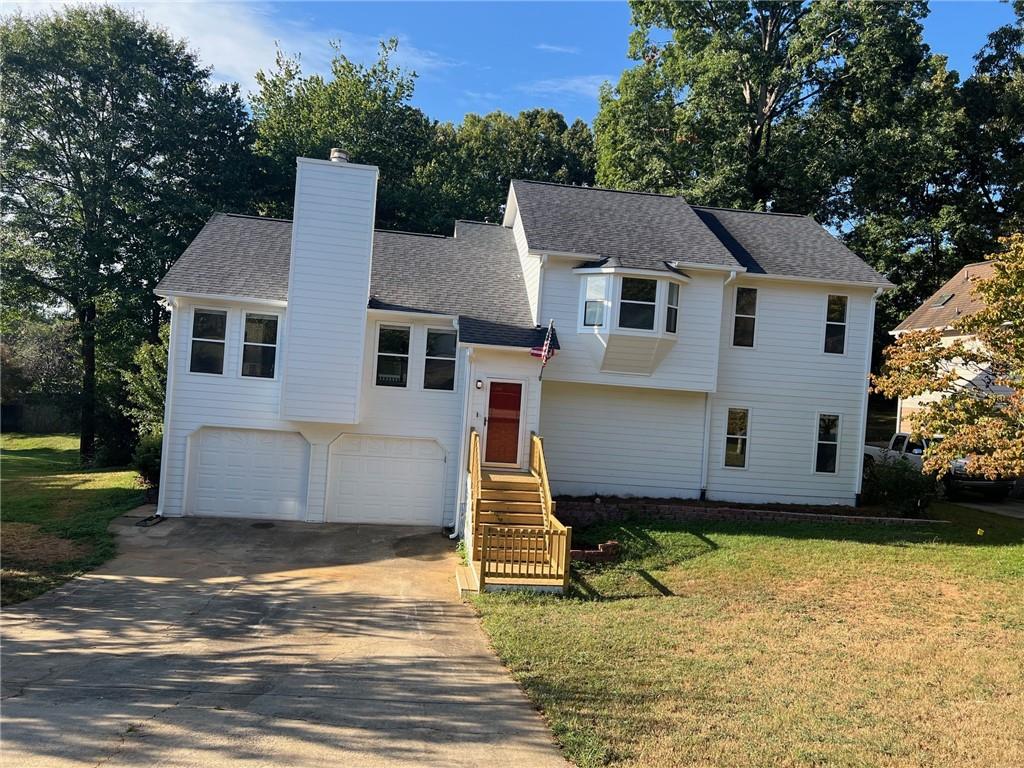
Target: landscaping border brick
(584, 513)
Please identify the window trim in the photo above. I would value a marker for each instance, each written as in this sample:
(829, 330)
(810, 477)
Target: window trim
(669, 285)
(191, 338)
(276, 345)
(609, 283)
(726, 436)
(735, 314)
(826, 323)
(657, 304)
(817, 442)
(423, 378)
(377, 353)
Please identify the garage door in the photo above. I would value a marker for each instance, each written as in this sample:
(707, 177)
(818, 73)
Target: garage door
(249, 473)
(392, 480)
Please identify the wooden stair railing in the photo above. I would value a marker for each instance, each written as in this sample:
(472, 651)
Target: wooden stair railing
(518, 553)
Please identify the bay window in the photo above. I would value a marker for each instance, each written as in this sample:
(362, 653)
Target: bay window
(595, 298)
(637, 303)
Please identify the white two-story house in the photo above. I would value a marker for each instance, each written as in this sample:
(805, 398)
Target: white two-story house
(323, 371)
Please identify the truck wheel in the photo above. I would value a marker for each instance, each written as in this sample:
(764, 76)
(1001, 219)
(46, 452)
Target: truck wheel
(952, 492)
(869, 467)
(997, 494)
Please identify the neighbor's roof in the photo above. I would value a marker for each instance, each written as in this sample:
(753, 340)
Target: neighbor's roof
(786, 245)
(475, 275)
(627, 229)
(953, 300)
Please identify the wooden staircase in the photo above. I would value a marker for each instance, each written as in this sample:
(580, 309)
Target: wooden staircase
(517, 542)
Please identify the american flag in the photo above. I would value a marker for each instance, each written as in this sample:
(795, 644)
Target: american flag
(545, 352)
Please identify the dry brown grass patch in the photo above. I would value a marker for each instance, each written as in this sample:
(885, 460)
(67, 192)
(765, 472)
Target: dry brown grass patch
(25, 543)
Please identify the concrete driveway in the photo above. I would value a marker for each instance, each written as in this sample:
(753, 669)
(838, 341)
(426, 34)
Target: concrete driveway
(213, 643)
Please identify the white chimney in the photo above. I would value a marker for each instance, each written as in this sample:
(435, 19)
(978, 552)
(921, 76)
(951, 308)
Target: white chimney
(328, 289)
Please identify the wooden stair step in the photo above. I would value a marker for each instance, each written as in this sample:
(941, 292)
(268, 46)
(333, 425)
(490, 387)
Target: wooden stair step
(503, 494)
(512, 518)
(487, 505)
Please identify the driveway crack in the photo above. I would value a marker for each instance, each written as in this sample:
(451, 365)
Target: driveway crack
(137, 726)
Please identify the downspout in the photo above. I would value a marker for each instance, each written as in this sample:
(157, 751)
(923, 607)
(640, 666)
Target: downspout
(862, 434)
(172, 346)
(460, 497)
(705, 459)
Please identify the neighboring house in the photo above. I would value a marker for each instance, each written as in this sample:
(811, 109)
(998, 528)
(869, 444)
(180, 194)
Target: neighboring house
(324, 371)
(954, 300)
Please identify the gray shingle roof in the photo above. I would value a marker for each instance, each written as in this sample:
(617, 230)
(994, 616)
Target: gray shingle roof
(629, 229)
(787, 245)
(235, 255)
(475, 275)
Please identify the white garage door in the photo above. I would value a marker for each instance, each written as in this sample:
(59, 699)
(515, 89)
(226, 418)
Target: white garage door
(392, 480)
(249, 473)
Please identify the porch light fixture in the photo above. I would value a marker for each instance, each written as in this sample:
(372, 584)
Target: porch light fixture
(479, 384)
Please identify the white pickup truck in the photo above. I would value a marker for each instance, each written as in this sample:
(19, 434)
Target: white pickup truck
(902, 448)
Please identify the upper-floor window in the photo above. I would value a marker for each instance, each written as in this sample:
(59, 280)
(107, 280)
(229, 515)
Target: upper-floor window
(637, 303)
(439, 363)
(827, 451)
(745, 317)
(209, 330)
(595, 298)
(672, 308)
(392, 356)
(835, 325)
(259, 346)
(737, 424)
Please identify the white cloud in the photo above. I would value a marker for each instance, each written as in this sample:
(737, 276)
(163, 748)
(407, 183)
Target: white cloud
(552, 48)
(238, 39)
(576, 85)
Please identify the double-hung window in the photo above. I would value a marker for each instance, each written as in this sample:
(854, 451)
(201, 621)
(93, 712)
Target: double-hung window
(835, 325)
(637, 303)
(439, 364)
(392, 356)
(745, 317)
(259, 347)
(594, 300)
(209, 329)
(737, 426)
(827, 450)
(672, 308)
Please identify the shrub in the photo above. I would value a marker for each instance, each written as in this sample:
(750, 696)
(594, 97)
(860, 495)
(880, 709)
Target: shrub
(146, 459)
(898, 485)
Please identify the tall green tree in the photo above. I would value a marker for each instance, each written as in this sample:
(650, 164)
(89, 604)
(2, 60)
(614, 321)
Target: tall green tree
(747, 103)
(364, 110)
(468, 173)
(116, 148)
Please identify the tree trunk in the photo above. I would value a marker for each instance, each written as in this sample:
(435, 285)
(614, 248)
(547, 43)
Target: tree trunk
(87, 421)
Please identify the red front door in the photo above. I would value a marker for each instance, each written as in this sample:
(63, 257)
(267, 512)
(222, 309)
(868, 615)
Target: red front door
(503, 406)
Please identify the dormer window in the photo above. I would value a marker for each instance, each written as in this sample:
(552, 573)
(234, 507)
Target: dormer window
(637, 303)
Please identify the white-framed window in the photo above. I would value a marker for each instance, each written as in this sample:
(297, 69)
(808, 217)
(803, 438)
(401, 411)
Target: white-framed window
(672, 308)
(638, 303)
(392, 356)
(259, 345)
(826, 453)
(835, 325)
(209, 334)
(745, 317)
(439, 360)
(595, 300)
(737, 436)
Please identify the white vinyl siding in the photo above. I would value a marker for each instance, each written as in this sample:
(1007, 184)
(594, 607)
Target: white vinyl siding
(785, 381)
(622, 440)
(328, 289)
(531, 266)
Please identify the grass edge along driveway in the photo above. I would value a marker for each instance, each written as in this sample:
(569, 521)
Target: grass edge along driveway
(54, 514)
(798, 644)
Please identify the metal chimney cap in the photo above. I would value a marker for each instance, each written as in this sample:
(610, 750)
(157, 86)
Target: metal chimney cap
(338, 155)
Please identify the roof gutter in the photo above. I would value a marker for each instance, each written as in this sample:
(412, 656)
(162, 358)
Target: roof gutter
(226, 297)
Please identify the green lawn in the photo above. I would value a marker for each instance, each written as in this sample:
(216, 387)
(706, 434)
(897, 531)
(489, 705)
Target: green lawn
(782, 645)
(53, 514)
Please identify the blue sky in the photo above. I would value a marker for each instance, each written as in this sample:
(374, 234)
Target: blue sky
(476, 57)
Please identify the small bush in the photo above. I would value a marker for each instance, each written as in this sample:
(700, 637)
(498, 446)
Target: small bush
(146, 459)
(899, 486)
